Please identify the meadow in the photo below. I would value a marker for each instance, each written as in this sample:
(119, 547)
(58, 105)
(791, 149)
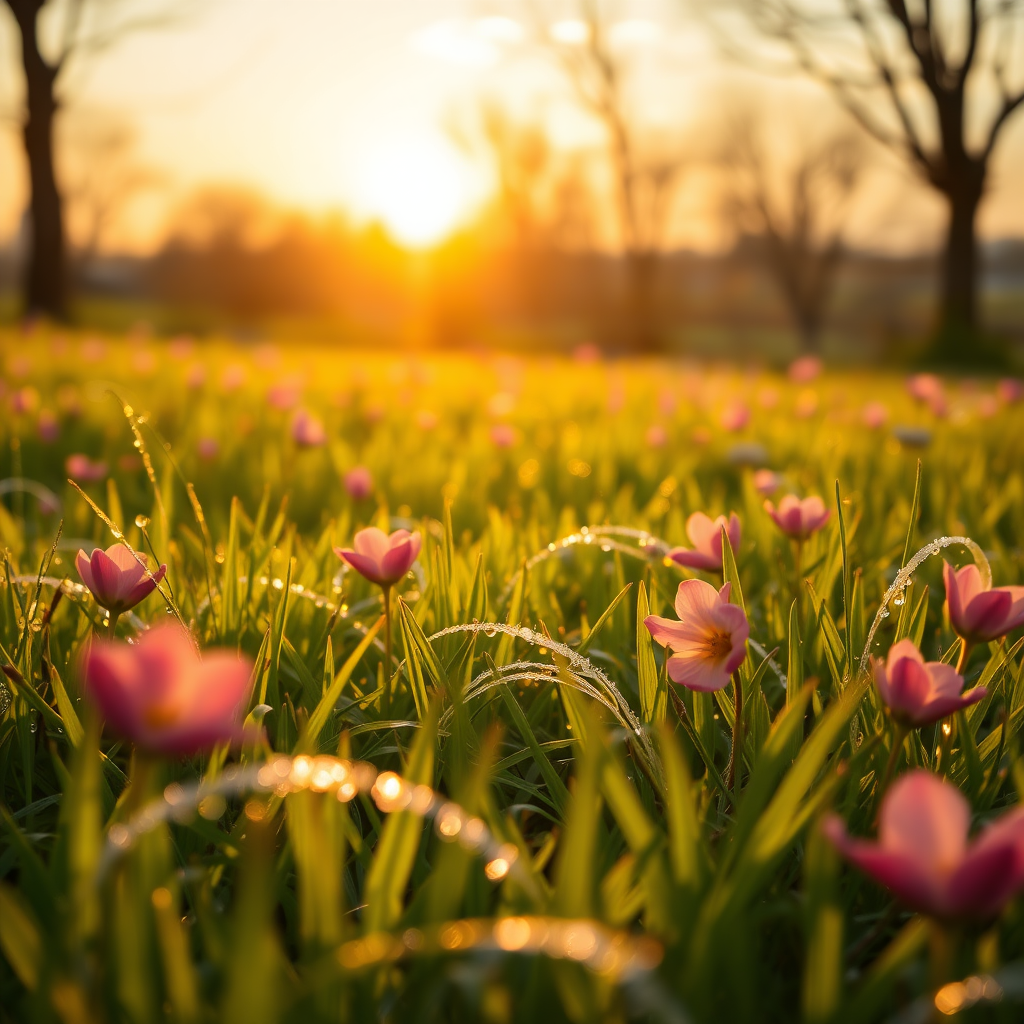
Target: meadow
(493, 803)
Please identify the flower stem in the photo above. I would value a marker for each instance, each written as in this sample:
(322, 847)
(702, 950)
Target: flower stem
(737, 735)
(965, 650)
(386, 700)
(942, 950)
(890, 765)
(112, 628)
(798, 559)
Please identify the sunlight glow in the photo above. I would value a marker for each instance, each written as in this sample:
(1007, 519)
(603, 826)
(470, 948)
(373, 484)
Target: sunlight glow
(418, 186)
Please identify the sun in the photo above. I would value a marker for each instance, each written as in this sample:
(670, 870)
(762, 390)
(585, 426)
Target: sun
(419, 187)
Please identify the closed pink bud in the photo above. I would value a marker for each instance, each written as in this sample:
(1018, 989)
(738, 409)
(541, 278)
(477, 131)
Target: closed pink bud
(919, 692)
(874, 415)
(805, 369)
(766, 482)
(308, 430)
(734, 417)
(798, 519)
(117, 579)
(159, 694)
(977, 614)
(359, 483)
(708, 643)
(382, 559)
(705, 535)
(923, 856)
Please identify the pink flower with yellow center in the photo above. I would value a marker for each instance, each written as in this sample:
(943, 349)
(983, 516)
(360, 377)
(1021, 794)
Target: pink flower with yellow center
(708, 643)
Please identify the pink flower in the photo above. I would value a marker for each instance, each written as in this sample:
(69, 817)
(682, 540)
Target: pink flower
(232, 378)
(980, 615)
(208, 448)
(308, 430)
(586, 353)
(359, 483)
(806, 404)
(284, 395)
(82, 467)
(805, 369)
(918, 692)
(987, 406)
(701, 435)
(426, 419)
(925, 387)
(766, 482)
(874, 415)
(25, 400)
(48, 426)
(196, 376)
(116, 578)
(768, 398)
(708, 643)
(503, 435)
(923, 857)
(161, 696)
(706, 537)
(656, 436)
(735, 416)
(181, 347)
(798, 519)
(382, 559)
(1010, 390)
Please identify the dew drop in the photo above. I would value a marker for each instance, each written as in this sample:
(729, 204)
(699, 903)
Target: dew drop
(141, 521)
(490, 631)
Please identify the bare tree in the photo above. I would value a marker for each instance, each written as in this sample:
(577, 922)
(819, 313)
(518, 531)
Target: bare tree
(644, 177)
(914, 74)
(86, 26)
(797, 213)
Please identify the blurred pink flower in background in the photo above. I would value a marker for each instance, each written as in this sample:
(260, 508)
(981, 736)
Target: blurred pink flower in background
(668, 402)
(381, 558)
(705, 535)
(232, 378)
(768, 398)
(68, 400)
(586, 353)
(1009, 390)
(93, 350)
(806, 404)
(20, 365)
(60, 346)
(503, 435)
(266, 355)
(159, 694)
(805, 369)
(616, 396)
(207, 448)
(358, 483)
(426, 419)
(988, 406)
(82, 467)
(798, 519)
(48, 426)
(656, 436)
(919, 692)
(195, 377)
(181, 347)
(766, 482)
(116, 578)
(875, 415)
(308, 430)
(143, 361)
(24, 401)
(923, 856)
(976, 614)
(284, 395)
(708, 643)
(734, 417)
(924, 386)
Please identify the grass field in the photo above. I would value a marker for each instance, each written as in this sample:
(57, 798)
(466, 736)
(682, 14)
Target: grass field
(552, 835)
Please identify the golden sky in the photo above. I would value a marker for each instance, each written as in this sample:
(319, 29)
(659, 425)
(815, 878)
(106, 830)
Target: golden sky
(323, 104)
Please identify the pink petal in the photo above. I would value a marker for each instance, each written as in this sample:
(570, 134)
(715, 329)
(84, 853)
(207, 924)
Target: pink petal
(397, 561)
(881, 680)
(145, 587)
(362, 564)
(697, 673)
(667, 632)
(910, 686)
(926, 820)
(84, 567)
(107, 578)
(703, 531)
(371, 543)
(989, 876)
(904, 649)
(941, 707)
(953, 597)
(968, 582)
(946, 681)
(694, 559)
(985, 614)
(734, 531)
(695, 599)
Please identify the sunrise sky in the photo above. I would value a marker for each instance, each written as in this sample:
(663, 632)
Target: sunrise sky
(322, 104)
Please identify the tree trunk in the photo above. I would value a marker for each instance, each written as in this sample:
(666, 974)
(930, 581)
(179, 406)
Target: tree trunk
(641, 333)
(45, 283)
(960, 261)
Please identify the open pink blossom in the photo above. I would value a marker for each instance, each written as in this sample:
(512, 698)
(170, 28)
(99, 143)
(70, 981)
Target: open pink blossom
(161, 696)
(358, 483)
(923, 856)
(116, 578)
(798, 519)
(977, 614)
(705, 535)
(708, 643)
(382, 559)
(919, 692)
